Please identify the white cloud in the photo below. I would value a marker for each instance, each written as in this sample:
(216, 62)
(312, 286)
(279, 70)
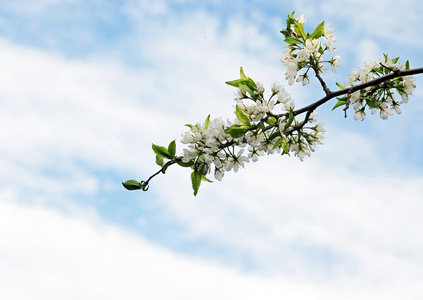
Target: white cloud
(45, 254)
(342, 215)
(384, 19)
(32, 8)
(336, 226)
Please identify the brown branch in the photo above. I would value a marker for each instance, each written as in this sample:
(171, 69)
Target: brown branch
(355, 88)
(315, 67)
(144, 184)
(376, 83)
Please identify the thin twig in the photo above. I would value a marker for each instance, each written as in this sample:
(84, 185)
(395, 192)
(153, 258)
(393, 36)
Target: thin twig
(317, 73)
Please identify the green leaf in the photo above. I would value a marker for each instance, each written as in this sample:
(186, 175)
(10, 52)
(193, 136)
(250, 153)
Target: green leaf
(237, 130)
(292, 41)
(371, 103)
(274, 135)
(196, 181)
(207, 122)
(189, 125)
(261, 126)
(251, 83)
(379, 70)
(241, 116)
(340, 86)
(271, 120)
(299, 29)
(186, 164)
(340, 103)
(245, 88)
(318, 31)
(290, 120)
(284, 147)
(234, 83)
(172, 148)
(286, 33)
(132, 185)
(290, 20)
(407, 65)
(204, 178)
(159, 160)
(246, 85)
(278, 142)
(242, 74)
(161, 151)
(202, 168)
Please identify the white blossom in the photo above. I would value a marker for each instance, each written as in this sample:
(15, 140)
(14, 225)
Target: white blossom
(384, 101)
(328, 34)
(335, 63)
(312, 45)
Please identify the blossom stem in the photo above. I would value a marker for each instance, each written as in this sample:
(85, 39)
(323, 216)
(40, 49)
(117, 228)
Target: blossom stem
(315, 67)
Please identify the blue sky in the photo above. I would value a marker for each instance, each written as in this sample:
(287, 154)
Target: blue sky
(87, 86)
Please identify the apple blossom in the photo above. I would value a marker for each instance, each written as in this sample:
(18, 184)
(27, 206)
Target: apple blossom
(269, 124)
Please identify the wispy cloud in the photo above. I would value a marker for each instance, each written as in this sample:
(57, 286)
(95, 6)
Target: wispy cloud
(343, 222)
(45, 254)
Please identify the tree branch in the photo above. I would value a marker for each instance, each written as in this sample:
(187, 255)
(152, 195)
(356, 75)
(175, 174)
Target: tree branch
(317, 73)
(355, 88)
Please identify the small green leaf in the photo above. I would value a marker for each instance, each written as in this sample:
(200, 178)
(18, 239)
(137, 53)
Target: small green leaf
(237, 130)
(407, 65)
(289, 21)
(202, 168)
(234, 83)
(290, 120)
(245, 88)
(241, 116)
(159, 160)
(186, 165)
(340, 103)
(207, 122)
(286, 33)
(386, 57)
(340, 86)
(274, 135)
(242, 74)
(189, 125)
(284, 147)
(132, 185)
(246, 85)
(318, 31)
(379, 70)
(196, 181)
(161, 151)
(251, 83)
(172, 148)
(271, 120)
(371, 103)
(299, 29)
(204, 178)
(278, 142)
(261, 126)
(292, 41)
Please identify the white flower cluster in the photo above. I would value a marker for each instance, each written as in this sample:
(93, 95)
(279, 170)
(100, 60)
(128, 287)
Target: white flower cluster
(301, 51)
(381, 97)
(211, 144)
